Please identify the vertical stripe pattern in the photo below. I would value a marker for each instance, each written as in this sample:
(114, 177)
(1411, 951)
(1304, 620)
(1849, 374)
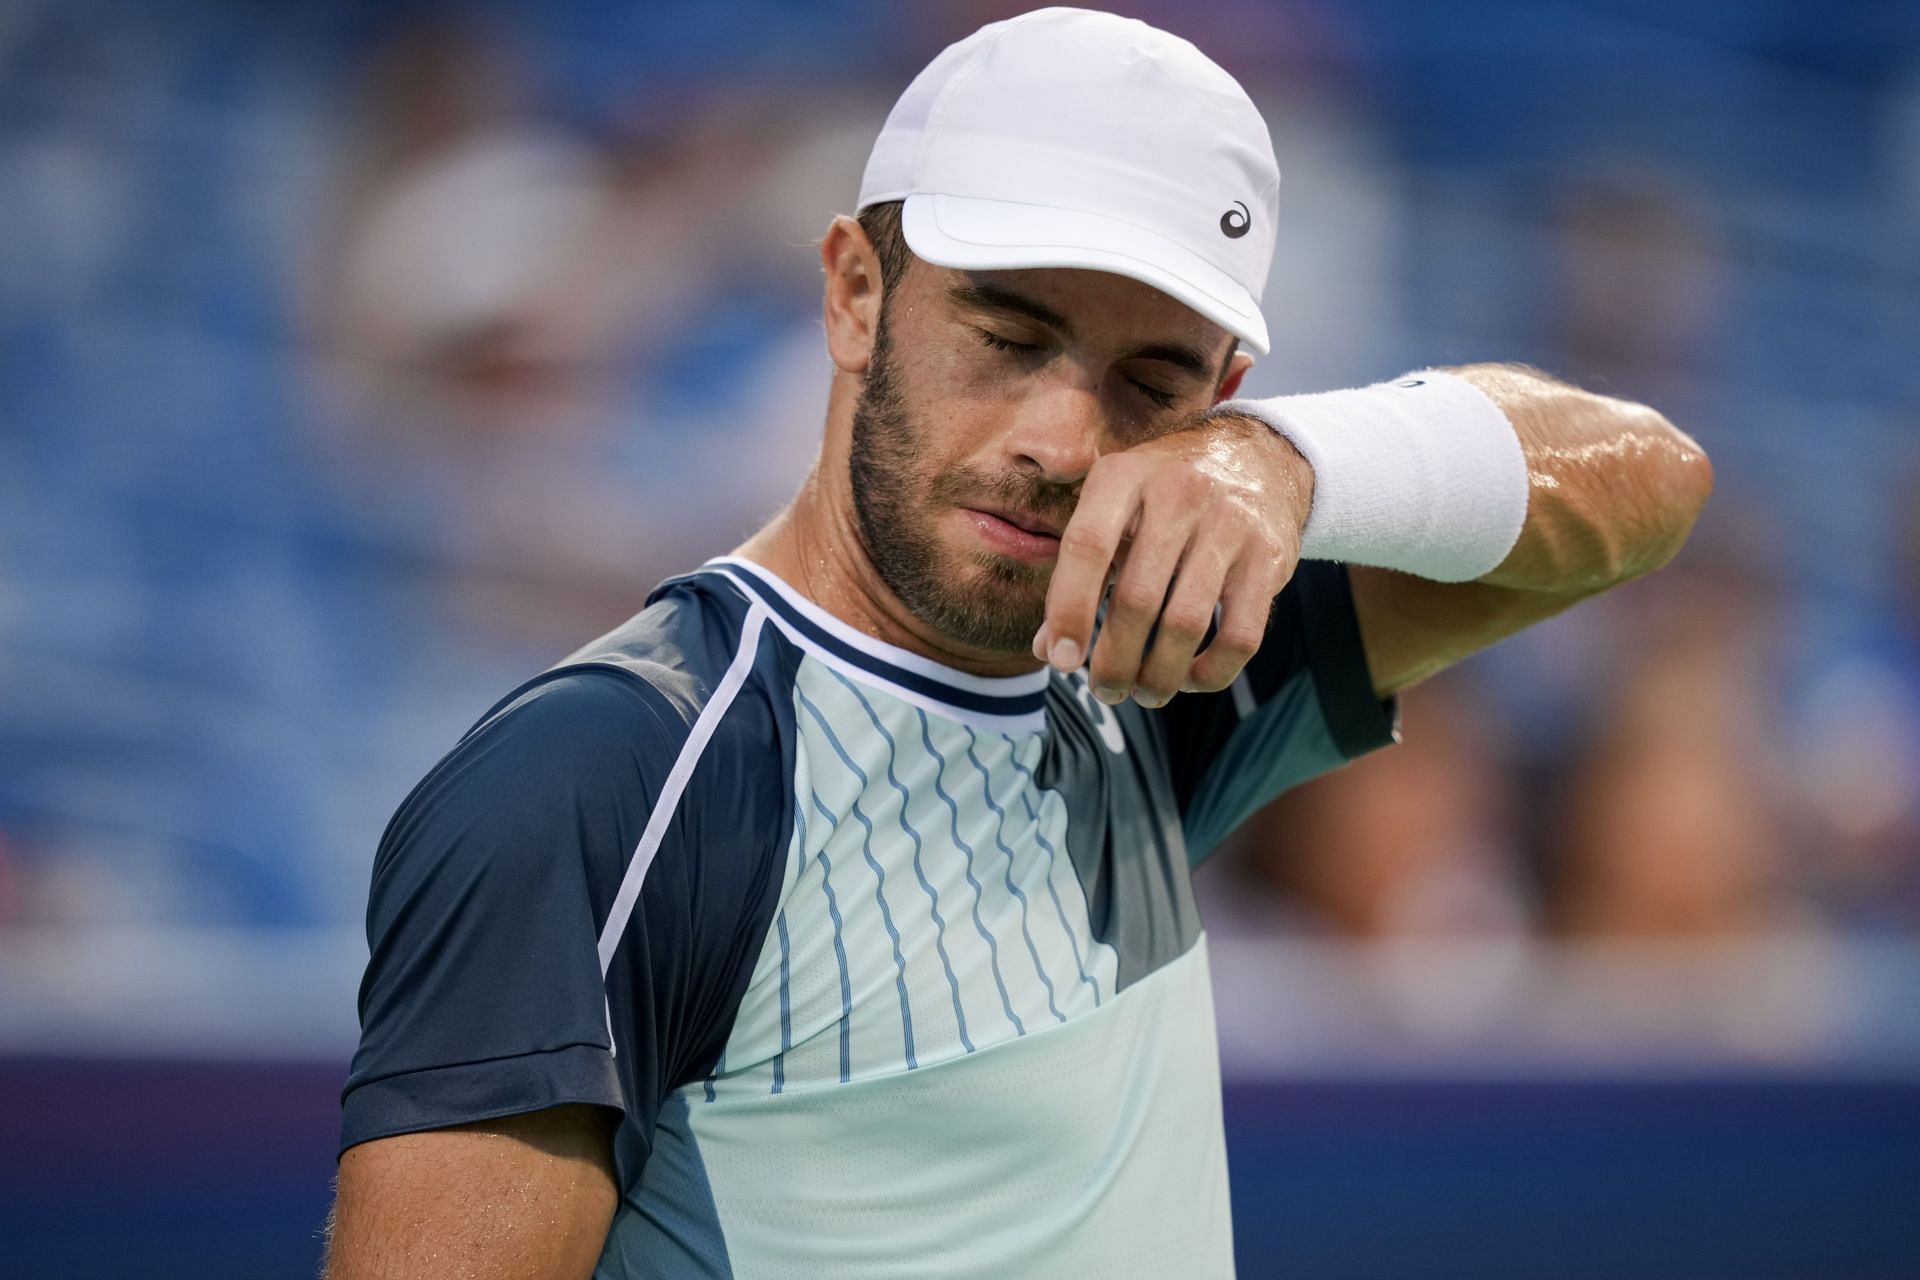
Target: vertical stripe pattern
(933, 911)
(786, 1003)
(1053, 890)
(879, 876)
(839, 952)
(973, 882)
(919, 868)
(1013, 885)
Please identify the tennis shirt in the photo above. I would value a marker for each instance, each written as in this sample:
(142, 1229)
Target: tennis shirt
(891, 970)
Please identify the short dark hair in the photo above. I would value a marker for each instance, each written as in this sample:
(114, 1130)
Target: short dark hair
(881, 222)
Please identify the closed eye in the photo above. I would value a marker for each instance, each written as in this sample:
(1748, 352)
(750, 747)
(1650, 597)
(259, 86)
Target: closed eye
(1164, 399)
(998, 343)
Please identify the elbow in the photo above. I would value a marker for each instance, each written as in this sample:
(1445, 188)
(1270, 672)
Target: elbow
(1685, 482)
(1615, 488)
(1675, 478)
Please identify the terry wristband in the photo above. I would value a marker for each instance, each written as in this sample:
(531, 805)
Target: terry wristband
(1424, 474)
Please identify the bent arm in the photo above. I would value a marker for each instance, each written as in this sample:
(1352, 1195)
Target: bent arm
(525, 1197)
(1613, 489)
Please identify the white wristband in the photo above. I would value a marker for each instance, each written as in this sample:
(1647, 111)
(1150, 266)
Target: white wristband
(1424, 474)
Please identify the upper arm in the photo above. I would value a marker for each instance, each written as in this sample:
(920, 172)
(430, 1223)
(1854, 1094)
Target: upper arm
(1411, 628)
(483, 994)
(490, 1008)
(523, 1197)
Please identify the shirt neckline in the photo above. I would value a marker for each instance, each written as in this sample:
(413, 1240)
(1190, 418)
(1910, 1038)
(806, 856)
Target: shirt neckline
(1012, 702)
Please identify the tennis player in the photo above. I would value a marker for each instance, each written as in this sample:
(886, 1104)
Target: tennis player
(833, 916)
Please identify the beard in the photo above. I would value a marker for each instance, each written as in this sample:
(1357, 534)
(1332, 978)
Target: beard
(981, 600)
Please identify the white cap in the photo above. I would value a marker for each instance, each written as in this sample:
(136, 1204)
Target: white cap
(1069, 138)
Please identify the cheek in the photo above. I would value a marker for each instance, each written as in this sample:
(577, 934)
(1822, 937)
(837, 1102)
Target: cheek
(946, 366)
(966, 391)
(961, 411)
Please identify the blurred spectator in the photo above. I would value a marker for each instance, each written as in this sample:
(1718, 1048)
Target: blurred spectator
(1675, 825)
(1856, 755)
(1417, 841)
(487, 289)
(469, 335)
(1638, 287)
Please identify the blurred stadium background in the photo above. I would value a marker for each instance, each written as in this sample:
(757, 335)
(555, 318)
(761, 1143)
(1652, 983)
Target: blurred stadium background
(359, 359)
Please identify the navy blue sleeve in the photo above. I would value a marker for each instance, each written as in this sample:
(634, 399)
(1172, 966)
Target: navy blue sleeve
(483, 994)
(1304, 705)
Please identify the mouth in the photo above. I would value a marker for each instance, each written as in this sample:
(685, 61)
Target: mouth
(1018, 534)
(1039, 526)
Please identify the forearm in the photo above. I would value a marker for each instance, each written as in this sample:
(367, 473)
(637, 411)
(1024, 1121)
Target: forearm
(1462, 525)
(1613, 487)
(1612, 490)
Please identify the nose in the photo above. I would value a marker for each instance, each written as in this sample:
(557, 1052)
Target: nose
(1059, 433)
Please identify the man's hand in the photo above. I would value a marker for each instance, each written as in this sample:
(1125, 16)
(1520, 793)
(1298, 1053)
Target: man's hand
(1202, 517)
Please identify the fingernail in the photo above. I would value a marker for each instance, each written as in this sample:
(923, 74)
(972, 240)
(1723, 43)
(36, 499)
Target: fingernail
(1040, 643)
(1108, 694)
(1065, 654)
(1148, 700)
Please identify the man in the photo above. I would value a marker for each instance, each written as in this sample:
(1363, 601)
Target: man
(832, 917)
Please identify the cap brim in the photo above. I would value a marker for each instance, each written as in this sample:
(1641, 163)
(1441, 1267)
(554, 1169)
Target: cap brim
(971, 234)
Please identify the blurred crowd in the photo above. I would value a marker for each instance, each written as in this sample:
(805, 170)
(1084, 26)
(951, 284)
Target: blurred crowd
(358, 361)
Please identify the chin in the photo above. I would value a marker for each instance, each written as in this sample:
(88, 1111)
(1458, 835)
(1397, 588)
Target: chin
(1014, 591)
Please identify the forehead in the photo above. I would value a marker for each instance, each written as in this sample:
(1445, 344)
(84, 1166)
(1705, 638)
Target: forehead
(1100, 307)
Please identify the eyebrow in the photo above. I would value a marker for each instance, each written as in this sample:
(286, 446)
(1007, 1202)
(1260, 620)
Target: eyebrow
(1176, 354)
(993, 297)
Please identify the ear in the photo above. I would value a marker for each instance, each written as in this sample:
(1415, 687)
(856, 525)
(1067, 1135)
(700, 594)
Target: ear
(1236, 370)
(851, 308)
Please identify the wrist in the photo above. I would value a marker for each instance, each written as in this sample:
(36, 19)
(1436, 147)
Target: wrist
(1296, 477)
(1424, 475)
(1287, 472)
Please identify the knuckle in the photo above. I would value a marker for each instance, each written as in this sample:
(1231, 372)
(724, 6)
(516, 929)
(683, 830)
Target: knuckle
(1136, 596)
(1083, 540)
(1194, 486)
(1253, 527)
(1107, 469)
(1186, 621)
(1240, 640)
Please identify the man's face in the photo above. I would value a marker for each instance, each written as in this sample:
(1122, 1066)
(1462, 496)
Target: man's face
(987, 397)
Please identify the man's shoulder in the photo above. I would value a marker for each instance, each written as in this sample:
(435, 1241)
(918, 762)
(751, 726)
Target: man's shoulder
(659, 669)
(688, 674)
(681, 644)
(680, 707)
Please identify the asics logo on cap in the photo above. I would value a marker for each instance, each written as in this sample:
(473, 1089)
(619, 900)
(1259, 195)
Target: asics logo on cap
(1235, 221)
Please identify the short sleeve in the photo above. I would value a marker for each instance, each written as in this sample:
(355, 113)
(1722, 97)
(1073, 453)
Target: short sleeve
(1303, 706)
(484, 994)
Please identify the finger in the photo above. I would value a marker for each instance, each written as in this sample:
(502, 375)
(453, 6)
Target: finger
(1139, 594)
(1183, 621)
(1245, 605)
(1088, 544)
